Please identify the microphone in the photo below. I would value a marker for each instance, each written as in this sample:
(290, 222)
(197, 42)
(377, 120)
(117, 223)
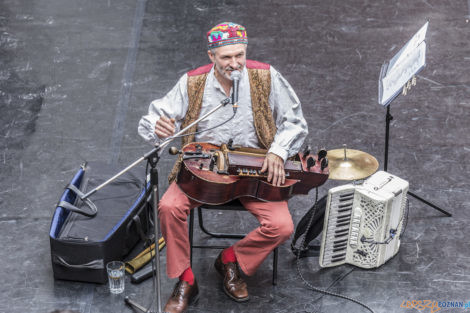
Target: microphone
(235, 77)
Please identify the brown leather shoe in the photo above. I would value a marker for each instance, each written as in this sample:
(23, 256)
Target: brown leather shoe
(234, 286)
(183, 295)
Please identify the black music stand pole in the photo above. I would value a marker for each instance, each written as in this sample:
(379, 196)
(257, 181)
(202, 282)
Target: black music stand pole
(388, 119)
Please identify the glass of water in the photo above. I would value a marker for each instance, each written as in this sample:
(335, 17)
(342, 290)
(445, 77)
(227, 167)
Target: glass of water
(116, 276)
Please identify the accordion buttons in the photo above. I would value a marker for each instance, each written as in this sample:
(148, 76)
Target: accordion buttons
(355, 226)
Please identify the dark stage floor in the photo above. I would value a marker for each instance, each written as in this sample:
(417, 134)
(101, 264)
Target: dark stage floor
(75, 77)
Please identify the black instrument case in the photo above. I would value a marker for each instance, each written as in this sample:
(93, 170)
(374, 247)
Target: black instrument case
(83, 241)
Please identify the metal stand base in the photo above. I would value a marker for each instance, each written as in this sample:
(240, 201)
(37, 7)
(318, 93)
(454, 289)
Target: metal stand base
(137, 306)
(389, 118)
(430, 204)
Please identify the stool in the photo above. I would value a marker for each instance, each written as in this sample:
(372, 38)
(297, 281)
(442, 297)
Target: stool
(234, 205)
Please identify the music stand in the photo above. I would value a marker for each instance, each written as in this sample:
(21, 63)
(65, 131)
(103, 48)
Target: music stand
(397, 76)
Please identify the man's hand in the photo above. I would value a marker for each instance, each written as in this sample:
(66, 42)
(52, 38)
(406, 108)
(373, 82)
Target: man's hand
(165, 127)
(275, 166)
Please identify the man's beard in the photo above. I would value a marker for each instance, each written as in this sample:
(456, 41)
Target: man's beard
(227, 71)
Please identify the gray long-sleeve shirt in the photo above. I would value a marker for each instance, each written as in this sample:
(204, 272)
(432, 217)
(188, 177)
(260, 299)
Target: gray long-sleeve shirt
(285, 105)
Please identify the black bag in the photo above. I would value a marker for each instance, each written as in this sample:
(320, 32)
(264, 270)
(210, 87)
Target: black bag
(315, 229)
(84, 238)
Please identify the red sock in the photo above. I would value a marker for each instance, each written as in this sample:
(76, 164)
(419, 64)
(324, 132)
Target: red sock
(188, 276)
(228, 255)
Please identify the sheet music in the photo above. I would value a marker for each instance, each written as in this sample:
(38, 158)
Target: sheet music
(407, 62)
(408, 48)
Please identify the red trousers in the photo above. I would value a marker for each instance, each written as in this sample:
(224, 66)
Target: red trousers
(275, 227)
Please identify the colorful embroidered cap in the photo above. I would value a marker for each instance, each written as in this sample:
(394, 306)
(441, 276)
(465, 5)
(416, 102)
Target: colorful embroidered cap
(226, 34)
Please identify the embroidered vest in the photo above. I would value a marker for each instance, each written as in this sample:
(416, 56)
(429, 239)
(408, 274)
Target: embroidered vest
(260, 87)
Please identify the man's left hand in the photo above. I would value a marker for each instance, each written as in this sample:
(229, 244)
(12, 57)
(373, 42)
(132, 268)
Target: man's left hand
(274, 164)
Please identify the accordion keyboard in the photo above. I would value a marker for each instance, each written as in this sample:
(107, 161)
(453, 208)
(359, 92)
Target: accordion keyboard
(338, 227)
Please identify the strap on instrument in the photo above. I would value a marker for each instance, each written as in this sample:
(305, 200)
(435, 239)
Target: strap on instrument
(309, 231)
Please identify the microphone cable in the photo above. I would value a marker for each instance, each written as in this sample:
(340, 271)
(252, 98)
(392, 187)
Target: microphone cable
(310, 286)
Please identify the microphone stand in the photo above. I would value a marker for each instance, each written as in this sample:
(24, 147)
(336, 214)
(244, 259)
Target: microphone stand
(152, 158)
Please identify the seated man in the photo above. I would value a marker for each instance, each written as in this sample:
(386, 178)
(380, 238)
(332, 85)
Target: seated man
(269, 117)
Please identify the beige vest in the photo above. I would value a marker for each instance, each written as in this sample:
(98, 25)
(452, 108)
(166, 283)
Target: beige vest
(260, 87)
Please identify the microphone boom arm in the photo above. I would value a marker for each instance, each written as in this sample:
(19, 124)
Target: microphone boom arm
(157, 148)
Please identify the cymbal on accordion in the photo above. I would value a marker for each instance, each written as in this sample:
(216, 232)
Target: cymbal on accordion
(350, 164)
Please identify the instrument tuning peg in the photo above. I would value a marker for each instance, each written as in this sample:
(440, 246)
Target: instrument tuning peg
(230, 144)
(174, 151)
(321, 154)
(310, 163)
(306, 151)
(324, 163)
(211, 164)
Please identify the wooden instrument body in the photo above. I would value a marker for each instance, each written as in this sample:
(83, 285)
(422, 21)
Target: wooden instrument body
(216, 175)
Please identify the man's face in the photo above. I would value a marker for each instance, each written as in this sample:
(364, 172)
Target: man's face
(228, 58)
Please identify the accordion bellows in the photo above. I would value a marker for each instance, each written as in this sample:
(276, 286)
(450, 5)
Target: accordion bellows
(363, 223)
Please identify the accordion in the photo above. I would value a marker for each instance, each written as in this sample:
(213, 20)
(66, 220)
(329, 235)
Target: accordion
(363, 223)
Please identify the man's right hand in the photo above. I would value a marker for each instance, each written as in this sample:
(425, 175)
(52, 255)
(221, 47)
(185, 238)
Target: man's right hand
(165, 127)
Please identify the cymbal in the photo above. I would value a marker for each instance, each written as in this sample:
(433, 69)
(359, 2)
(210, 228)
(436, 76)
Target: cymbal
(349, 164)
